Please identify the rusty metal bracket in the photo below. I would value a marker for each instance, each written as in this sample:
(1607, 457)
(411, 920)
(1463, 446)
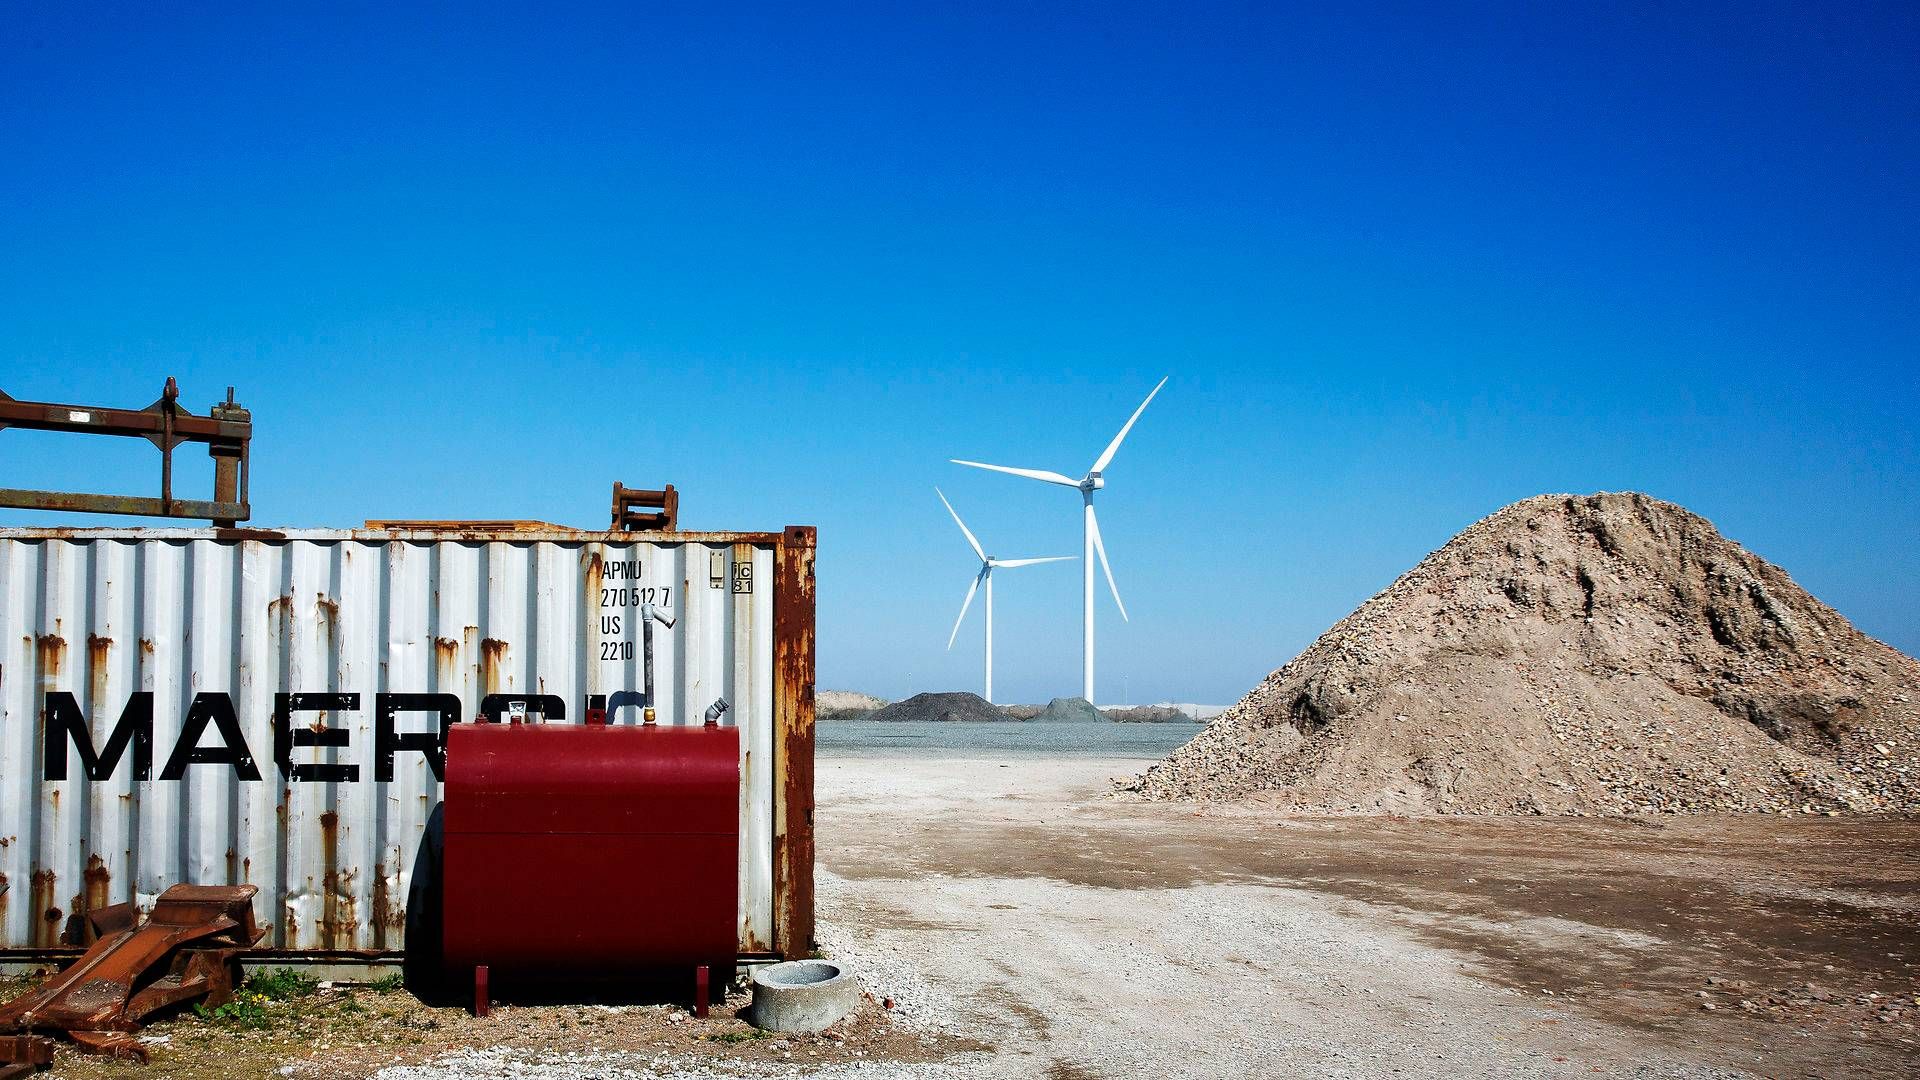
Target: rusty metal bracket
(641, 510)
(23, 1055)
(227, 431)
(187, 949)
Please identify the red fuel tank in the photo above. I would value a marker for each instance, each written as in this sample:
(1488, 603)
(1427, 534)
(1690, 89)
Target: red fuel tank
(590, 849)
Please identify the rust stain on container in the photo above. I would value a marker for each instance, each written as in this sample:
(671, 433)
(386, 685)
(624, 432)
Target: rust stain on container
(329, 611)
(446, 659)
(50, 652)
(98, 882)
(47, 933)
(342, 924)
(492, 652)
(97, 649)
(245, 535)
(146, 646)
(793, 667)
(330, 837)
(4, 891)
(382, 911)
(338, 919)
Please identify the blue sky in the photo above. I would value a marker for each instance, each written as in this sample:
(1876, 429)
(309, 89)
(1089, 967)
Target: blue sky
(1404, 265)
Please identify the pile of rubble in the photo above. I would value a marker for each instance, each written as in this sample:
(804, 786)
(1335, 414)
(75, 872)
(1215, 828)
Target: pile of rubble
(944, 708)
(1608, 654)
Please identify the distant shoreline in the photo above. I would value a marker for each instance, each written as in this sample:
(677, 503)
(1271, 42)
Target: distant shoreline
(843, 706)
(973, 739)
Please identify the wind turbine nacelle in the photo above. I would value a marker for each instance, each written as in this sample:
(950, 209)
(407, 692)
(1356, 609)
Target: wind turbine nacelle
(1093, 482)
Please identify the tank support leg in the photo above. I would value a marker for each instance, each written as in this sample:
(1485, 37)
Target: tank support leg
(480, 990)
(700, 976)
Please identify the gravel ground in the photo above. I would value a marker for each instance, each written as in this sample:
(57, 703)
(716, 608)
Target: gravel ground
(501, 1063)
(1021, 922)
(1006, 900)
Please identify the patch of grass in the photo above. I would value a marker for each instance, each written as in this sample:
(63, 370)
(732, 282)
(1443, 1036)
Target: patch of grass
(737, 1035)
(248, 1009)
(282, 984)
(388, 983)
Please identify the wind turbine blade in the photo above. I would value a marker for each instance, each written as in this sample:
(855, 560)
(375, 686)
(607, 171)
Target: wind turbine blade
(1031, 562)
(963, 525)
(1100, 548)
(1114, 446)
(1031, 474)
(965, 604)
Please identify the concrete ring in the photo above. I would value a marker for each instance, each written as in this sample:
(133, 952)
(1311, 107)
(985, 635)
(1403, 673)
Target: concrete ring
(803, 995)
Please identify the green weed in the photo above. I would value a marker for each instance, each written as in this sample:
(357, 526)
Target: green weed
(282, 984)
(248, 1009)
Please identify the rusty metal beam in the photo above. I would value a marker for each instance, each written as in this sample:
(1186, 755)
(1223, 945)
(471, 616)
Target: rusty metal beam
(137, 505)
(142, 423)
(793, 717)
(227, 432)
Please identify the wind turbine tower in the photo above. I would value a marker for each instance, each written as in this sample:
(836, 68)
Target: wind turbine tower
(1094, 481)
(988, 564)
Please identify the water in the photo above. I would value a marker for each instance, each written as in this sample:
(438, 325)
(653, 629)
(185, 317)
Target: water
(1114, 740)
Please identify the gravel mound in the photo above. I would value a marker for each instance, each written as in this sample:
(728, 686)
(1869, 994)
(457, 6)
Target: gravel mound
(830, 706)
(1070, 710)
(1575, 654)
(1148, 714)
(955, 706)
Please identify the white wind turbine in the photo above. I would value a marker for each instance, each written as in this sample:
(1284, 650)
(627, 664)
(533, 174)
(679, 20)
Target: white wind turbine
(1087, 485)
(988, 564)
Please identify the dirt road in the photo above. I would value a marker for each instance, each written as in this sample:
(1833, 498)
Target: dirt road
(1012, 900)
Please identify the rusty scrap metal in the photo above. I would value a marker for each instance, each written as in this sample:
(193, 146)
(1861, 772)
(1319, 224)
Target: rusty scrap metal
(641, 510)
(187, 949)
(462, 525)
(24, 1054)
(227, 431)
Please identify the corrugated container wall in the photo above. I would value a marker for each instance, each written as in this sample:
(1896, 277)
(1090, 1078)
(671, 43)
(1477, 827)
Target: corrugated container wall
(295, 686)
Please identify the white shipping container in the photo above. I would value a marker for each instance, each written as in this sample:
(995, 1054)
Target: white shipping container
(225, 706)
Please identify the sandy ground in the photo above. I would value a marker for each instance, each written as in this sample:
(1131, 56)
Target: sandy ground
(1014, 901)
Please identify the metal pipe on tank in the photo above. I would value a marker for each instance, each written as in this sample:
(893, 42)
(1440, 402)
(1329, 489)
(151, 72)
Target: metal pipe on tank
(648, 614)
